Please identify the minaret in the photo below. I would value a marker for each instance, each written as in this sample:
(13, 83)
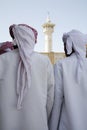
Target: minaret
(48, 29)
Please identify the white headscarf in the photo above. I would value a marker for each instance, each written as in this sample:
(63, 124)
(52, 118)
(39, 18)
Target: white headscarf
(78, 41)
(25, 39)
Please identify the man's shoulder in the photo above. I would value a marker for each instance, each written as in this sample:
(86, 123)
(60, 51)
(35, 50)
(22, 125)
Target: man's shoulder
(41, 60)
(67, 61)
(41, 57)
(63, 61)
(9, 56)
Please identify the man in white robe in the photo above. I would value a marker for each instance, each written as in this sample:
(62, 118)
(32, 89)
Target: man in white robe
(26, 84)
(70, 102)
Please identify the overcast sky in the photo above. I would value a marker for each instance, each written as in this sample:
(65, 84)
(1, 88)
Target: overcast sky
(65, 14)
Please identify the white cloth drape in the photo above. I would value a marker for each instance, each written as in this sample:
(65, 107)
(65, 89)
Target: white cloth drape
(76, 40)
(25, 39)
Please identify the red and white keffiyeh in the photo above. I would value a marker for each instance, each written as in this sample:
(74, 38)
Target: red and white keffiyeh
(5, 47)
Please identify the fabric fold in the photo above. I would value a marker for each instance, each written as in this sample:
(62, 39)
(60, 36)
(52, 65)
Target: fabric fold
(24, 38)
(76, 40)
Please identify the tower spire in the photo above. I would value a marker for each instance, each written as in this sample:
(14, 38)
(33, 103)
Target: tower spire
(48, 29)
(48, 17)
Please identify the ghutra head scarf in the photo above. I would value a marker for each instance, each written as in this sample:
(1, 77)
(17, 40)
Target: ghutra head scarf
(77, 41)
(25, 38)
(5, 47)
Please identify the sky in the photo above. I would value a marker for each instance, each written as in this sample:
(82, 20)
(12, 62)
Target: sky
(65, 14)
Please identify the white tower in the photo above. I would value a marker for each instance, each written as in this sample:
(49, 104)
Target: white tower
(48, 29)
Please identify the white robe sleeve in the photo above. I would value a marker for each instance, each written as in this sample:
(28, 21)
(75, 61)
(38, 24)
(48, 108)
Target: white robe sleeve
(58, 98)
(50, 89)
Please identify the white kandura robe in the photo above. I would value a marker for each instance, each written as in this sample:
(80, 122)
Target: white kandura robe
(37, 102)
(70, 104)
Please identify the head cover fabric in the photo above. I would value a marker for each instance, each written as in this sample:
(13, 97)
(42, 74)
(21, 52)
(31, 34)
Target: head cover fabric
(5, 47)
(24, 37)
(76, 40)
